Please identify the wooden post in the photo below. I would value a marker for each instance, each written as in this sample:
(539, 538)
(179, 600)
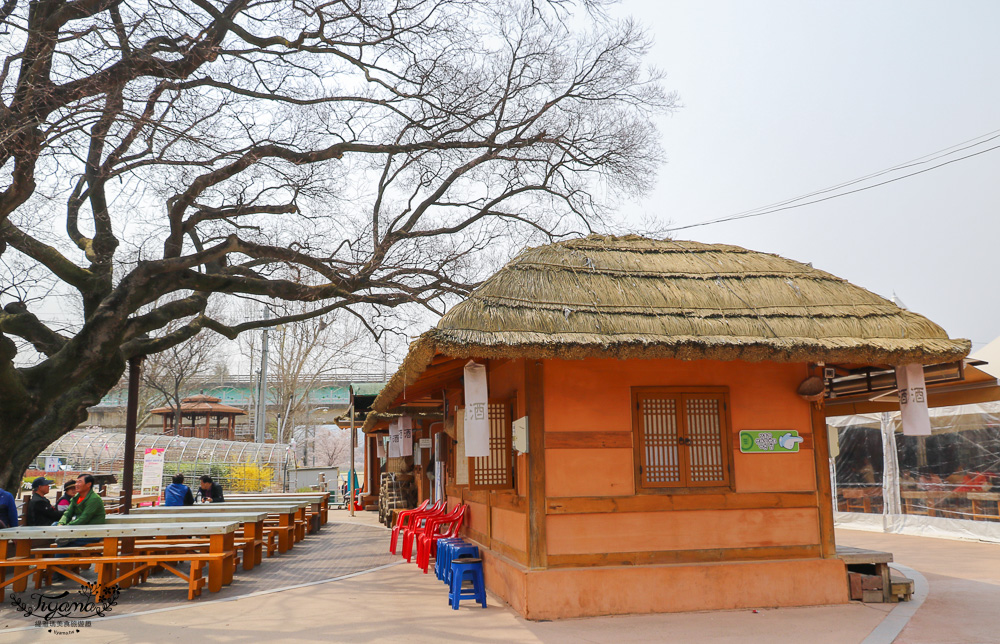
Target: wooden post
(535, 406)
(131, 418)
(824, 492)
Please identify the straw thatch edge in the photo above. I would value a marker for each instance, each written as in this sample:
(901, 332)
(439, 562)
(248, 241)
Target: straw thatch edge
(875, 351)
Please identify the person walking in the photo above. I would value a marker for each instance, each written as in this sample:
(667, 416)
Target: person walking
(177, 493)
(209, 491)
(40, 510)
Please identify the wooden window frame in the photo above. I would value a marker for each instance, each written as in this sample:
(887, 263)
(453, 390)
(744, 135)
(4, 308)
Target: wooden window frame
(638, 446)
(507, 456)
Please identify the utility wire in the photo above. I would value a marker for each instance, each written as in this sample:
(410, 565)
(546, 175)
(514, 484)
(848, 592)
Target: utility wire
(788, 204)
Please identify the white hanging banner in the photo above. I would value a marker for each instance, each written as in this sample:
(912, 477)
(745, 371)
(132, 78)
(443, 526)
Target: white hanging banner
(406, 436)
(380, 448)
(913, 400)
(477, 421)
(394, 439)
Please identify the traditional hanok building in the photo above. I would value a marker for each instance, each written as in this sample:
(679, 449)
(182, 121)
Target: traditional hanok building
(636, 367)
(197, 413)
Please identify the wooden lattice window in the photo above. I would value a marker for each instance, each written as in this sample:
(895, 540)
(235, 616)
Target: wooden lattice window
(682, 437)
(495, 472)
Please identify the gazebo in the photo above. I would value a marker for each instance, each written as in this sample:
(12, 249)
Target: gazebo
(200, 410)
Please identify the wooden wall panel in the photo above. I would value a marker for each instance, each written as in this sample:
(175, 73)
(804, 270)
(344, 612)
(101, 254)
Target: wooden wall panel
(573, 534)
(589, 472)
(775, 472)
(511, 528)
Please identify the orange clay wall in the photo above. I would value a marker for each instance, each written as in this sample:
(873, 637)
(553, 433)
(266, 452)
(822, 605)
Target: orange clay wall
(757, 545)
(595, 396)
(498, 521)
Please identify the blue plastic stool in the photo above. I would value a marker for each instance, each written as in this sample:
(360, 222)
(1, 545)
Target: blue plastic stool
(466, 568)
(442, 560)
(456, 551)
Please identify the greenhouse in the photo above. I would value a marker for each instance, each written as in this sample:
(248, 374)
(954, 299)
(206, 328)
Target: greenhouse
(237, 466)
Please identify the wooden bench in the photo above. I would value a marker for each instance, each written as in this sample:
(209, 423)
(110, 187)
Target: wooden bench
(133, 565)
(861, 559)
(118, 543)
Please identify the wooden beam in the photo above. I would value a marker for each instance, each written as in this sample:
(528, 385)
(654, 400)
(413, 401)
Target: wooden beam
(535, 406)
(824, 493)
(683, 556)
(671, 502)
(587, 440)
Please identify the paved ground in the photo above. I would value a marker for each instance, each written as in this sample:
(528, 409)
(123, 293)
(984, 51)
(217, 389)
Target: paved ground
(963, 606)
(338, 549)
(397, 602)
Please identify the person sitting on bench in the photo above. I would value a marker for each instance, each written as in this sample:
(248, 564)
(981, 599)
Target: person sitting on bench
(209, 491)
(86, 508)
(40, 510)
(177, 493)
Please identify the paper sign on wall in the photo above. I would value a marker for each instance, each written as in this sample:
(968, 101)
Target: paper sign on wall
(425, 443)
(913, 400)
(51, 463)
(380, 448)
(152, 471)
(477, 419)
(394, 439)
(406, 436)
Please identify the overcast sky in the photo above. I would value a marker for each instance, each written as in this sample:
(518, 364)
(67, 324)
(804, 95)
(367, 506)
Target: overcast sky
(785, 97)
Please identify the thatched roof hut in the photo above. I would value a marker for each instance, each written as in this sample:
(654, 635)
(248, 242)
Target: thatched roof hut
(633, 297)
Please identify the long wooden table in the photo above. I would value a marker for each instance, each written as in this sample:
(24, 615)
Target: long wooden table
(287, 513)
(312, 506)
(252, 523)
(320, 501)
(120, 539)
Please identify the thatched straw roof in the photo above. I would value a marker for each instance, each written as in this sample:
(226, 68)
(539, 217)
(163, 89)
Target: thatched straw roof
(632, 297)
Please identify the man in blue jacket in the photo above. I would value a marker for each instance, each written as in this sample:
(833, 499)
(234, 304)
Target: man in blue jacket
(8, 509)
(177, 493)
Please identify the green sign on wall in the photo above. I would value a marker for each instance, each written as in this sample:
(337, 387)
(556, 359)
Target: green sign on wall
(772, 441)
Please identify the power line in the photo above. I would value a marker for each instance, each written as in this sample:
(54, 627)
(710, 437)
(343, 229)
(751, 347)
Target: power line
(789, 204)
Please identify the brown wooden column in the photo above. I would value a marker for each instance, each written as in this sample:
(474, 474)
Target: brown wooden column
(535, 406)
(824, 493)
(371, 466)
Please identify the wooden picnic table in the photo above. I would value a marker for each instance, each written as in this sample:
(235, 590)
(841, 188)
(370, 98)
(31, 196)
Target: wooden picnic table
(288, 514)
(320, 500)
(119, 539)
(313, 507)
(252, 522)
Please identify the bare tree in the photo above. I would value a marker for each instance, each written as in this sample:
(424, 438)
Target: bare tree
(331, 447)
(359, 156)
(170, 372)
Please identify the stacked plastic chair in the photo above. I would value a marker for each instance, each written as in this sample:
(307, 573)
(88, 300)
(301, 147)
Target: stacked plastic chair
(431, 534)
(402, 519)
(449, 549)
(417, 524)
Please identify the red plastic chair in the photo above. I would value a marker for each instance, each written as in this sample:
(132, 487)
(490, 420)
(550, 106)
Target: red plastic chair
(427, 541)
(402, 519)
(417, 524)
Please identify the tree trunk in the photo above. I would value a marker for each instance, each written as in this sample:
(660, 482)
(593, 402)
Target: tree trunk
(49, 414)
